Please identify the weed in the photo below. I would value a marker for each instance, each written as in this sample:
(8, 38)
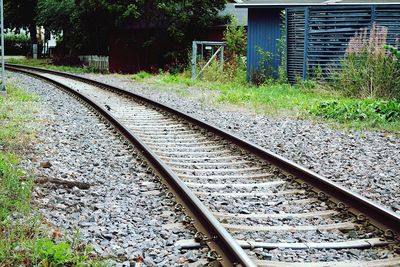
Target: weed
(140, 76)
(369, 112)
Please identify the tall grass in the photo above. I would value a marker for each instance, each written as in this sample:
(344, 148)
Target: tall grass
(368, 71)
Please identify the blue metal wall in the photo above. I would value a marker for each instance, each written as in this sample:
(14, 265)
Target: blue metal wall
(317, 37)
(327, 31)
(264, 29)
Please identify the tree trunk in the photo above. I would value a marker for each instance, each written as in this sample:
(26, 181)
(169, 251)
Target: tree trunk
(34, 40)
(33, 33)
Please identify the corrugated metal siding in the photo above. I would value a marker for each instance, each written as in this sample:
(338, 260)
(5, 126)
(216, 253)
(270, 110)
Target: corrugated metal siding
(389, 17)
(264, 29)
(295, 32)
(330, 29)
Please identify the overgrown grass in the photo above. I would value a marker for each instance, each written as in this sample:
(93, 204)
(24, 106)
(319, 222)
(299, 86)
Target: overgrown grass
(141, 76)
(24, 239)
(305, 100)
(272, 99)
(47, 64)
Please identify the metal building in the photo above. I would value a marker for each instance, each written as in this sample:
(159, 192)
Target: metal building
(317, 32)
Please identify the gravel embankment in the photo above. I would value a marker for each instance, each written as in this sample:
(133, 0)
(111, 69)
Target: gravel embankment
(122, 215)
(366, 162)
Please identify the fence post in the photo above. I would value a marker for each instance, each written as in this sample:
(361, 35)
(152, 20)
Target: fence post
(221, 58)
(3, 74)
(194, 57)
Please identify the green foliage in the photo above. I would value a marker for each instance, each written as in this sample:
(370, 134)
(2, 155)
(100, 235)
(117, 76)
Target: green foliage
(14, 112)
(14, 194)
(140, 76)
(371, 112)
(47, 64)
(18, 38)
(56, 254)
(299, 101)
(235, 38)
(281, 45)
(367, 70)
(181, 79)
(265, 72)
(23, 240)
(21, 14)
(393, 50)
(87, 24)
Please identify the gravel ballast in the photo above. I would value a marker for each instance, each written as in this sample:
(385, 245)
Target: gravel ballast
(366, 162)
(122, 215)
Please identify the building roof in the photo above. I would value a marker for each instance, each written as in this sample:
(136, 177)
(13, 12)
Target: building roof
(297, 3)
(239, 14)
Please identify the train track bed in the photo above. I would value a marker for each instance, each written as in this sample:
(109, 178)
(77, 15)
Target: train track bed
(366, 162)
(276, 219)
(122, 215)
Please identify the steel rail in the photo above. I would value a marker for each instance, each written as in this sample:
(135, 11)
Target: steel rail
(377, 215)
(218, 236)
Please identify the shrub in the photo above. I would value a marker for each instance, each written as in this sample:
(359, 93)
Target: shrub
(235, 38)
(367, 69)
(17, 38)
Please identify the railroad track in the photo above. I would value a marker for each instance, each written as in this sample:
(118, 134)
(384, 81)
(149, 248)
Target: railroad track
(252, 206)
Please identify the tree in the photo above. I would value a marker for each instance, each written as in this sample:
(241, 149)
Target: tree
(58, 17)
(21, 14)
(87, 24)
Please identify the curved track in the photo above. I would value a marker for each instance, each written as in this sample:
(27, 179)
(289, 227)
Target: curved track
(244, 200)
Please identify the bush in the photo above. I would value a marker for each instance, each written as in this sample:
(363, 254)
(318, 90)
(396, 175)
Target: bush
(368, 71)
(17, 44)
(18, 38)
(235, 38)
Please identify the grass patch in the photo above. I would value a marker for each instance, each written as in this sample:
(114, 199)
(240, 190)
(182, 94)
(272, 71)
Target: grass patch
(271, 99)
(16, 111)
(47, 64)
(307, 100)
(24, 239)
(141, 76)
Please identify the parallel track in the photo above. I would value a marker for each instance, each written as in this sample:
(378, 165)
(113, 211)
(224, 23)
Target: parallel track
(206, 167)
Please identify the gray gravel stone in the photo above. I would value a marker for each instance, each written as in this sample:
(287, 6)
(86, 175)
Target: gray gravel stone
(115, 215)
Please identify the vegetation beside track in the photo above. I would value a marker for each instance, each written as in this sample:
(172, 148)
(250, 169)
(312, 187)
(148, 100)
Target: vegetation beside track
(307, 100)
(24, 237)
(47, 64)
